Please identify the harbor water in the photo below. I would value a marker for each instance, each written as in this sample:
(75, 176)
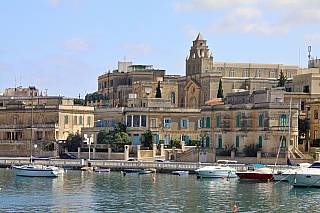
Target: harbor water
(82, 191)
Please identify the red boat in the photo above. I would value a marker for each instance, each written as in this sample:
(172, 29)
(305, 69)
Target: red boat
(263, 173)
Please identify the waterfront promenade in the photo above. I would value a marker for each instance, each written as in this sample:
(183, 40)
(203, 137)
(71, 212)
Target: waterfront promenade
(118, 165)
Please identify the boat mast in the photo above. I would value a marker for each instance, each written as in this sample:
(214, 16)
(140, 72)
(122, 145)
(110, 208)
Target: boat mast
(289, 127)
(31, 141)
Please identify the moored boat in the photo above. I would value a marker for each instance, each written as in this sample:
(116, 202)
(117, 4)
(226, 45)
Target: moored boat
(256, 172)
(37, 171)
(131, 170)
(102, 170)
(180, 172)
(143, 171)
(217, 170)
(307, 177)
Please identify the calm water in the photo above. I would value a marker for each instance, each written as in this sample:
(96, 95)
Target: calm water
(79, 191)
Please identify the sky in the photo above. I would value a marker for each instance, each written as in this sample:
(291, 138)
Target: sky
(65, 45)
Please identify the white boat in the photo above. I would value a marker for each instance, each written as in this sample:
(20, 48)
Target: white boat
(180, 172)
(217, 171)
(279, 175)
(37, 171)
(308, 177)
(143, 171)
(102, 170)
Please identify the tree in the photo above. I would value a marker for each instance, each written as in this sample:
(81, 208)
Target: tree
(303, 127)
(158, 93)
(73, 142)
(251, 150)
(282, 80)
(102, 136)
(148, 139)
(220, 91)
(118, 136)
(176, 142)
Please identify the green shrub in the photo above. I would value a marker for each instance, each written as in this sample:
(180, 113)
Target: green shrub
(251, 150)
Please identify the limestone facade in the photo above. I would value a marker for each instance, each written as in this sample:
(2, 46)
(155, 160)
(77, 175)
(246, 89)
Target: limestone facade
(54, 118)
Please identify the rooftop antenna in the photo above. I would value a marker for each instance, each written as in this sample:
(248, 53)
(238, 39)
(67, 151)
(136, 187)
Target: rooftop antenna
(309, 50)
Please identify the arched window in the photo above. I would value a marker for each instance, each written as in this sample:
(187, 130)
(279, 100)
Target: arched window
(238, 121)
(260, 141)
(237, 141)
(173, 98)
(283, 120)
(207, 69)
(218, 121)
(208, 122)
(260, 120)
(258, 73)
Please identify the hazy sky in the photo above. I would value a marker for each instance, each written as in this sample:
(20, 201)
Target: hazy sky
(64, 45)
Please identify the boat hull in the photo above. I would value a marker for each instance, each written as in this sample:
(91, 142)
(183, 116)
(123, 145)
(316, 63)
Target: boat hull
(102, 170)
(131, 170)
(304, 178)
(254, 175)
(38, 171)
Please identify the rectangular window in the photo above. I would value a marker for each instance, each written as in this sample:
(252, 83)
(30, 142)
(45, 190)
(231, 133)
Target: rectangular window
(289, 74)
(305, 89)
(315, 134)
(315, 114)
(245, 73)
(185, 138)
(66, 119)
(218, 121)
(111, 83)
(272, 74)
(80, 120)
(153, 122)
(199, 123)
(89, 120)
(302, 105)
(309, 113)
(166, 139)
(184, 123)
(75, 121)
(258, 73)
(156, 139)
(167, 122)
(232, 73)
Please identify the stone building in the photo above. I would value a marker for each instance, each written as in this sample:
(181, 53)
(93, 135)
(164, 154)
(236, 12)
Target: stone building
(54, 118)
(203, 75)
(251, 117)
(165, 121)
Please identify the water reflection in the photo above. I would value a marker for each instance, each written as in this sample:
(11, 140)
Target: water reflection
(79, 191)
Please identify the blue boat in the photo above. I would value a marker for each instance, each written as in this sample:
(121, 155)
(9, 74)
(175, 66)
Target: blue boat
(131, 170)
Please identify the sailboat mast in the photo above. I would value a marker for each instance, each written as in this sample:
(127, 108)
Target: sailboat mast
(31, 141)
(289, 126)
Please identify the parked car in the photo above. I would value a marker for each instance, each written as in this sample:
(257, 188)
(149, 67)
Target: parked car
(159, 160)
(132, 159)
(67, 156)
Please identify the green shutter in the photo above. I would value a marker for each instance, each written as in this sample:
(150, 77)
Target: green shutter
(260, 141)
(237, 141)
(260, 120)
(238, 121)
